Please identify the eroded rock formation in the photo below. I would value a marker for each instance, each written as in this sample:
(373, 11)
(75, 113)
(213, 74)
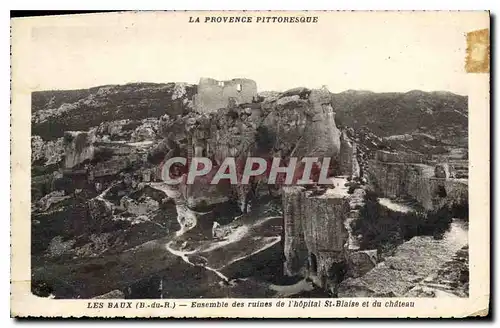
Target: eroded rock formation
(78, 147)
(399, 179)
(315, 234)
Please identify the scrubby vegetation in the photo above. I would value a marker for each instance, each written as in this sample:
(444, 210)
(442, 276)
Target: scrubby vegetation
(384, 229)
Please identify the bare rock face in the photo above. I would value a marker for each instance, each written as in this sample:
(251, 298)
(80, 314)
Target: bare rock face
(114, 294)
(322, 134)
(304, 123)
(47, 114)
(113, 130)
(205, 194)
(417, 181)
(37, 151)
(100, 210)
(315, 235)
(294, 246)
(420, 262)
(58, 246)
(78, 147)
(356, 202)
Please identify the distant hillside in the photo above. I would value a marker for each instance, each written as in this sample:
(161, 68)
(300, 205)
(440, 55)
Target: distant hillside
(441, 115)
(437, 118)
(57, 111)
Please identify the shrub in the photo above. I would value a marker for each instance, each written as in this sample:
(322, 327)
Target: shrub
(265, 138)
(384, 229)
(101, 155)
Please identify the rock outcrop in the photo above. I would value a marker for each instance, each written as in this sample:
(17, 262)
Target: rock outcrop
(416, 181)
(315, 235)
(143, 207)
(78, 147)
(50, 152)
(323, 137)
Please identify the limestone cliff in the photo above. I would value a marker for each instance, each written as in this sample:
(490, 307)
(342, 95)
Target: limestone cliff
(323, 136)
(78, 147)
(417, 181)
(315, 234)
(304, 124)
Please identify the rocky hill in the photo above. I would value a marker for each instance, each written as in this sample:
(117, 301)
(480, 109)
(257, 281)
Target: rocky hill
(57, 111)
(411, 118)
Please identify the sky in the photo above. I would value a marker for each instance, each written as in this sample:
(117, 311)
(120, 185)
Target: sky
(380, 52)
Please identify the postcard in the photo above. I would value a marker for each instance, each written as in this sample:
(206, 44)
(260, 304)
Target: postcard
(256, 164)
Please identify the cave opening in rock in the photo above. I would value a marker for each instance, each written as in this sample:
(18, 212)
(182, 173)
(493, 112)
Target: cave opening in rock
(314, 264)
(441, 191)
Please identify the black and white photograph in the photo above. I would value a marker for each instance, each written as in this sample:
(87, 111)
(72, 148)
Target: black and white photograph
(251, 155)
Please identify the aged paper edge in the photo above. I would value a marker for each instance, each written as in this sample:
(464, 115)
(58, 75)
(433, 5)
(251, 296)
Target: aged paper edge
(478, 45)
(24, 304)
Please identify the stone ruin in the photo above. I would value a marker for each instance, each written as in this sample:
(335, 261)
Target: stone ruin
(213, 95)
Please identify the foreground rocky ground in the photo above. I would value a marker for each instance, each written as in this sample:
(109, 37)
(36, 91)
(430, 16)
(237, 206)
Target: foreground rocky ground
(421, 267)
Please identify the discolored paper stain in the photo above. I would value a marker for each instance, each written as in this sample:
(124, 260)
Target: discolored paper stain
(478, 52)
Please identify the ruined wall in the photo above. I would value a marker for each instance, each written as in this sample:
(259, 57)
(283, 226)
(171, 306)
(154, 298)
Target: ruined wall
(213, 94)
(399, 157)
